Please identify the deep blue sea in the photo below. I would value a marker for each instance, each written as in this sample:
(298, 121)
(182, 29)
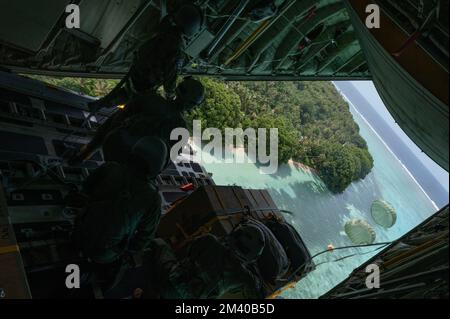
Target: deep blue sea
(320, 215)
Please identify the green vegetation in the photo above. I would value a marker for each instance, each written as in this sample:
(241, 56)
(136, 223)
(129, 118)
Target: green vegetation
(91, 87)
(222, 107)
(314, 122)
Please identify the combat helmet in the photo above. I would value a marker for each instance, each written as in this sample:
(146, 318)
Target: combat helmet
(189, 18)
(190, 93)
(151, 153)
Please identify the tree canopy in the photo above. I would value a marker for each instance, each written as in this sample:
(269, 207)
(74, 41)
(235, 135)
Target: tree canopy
(314, 123)
(315, 126)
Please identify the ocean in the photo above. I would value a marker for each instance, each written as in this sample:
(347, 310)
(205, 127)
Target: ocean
(319, 215)
(432, 178)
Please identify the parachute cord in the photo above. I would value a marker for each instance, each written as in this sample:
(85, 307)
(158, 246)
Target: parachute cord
(309, 261)
(352, 246)
(352, 255)
(44, 171)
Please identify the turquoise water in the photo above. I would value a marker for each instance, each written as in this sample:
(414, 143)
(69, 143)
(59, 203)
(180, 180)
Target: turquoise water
(320, 216)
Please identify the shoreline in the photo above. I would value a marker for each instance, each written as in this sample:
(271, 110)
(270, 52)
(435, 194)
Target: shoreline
(390, 150)
(241, 150)
(302, 166)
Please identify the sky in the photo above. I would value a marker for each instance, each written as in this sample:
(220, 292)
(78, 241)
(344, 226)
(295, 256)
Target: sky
(368, 90)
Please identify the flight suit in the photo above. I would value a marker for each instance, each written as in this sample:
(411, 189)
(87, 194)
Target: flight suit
(156, 63)
(121, 186)
(122, 214)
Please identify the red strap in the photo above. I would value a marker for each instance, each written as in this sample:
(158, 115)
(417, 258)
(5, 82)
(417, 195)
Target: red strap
(187, 187)
(412, 39)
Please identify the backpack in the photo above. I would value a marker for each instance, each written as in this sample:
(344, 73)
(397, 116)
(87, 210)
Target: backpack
(293, 244)
(273, 262)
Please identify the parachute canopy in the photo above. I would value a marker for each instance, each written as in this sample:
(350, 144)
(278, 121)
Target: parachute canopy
(383, 213)
(360, 232)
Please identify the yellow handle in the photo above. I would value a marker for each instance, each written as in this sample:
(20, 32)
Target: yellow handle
(9, 249)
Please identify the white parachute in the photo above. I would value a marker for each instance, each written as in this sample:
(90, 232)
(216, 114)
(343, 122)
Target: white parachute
(383, 213)
(360, 232)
